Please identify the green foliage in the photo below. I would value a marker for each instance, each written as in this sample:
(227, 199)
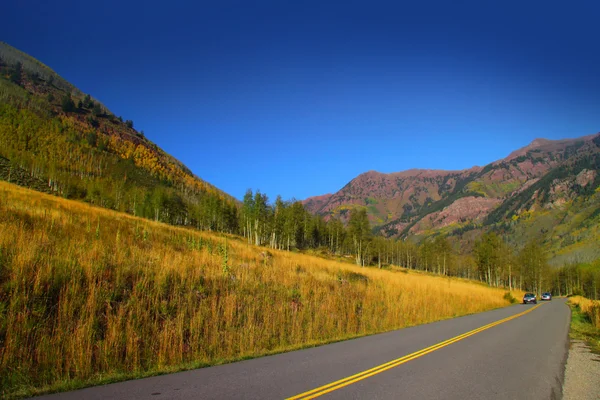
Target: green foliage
(92, 139)
(534, 266)
(97, 110)
(509, 297)
(463, 229)
(488, 252)
(345, 276)
(67, 104)
(578, 279)
(520, 159)
(360, 231)
(93, 123)
(15, 74)
(225, 259)
(95, 175)
(370, 200)
(87, 102)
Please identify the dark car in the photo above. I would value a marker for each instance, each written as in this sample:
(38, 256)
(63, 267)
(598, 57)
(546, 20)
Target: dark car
(547, 296)
(529, 298)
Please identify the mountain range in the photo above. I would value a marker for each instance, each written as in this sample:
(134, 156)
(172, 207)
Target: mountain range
(548, 189)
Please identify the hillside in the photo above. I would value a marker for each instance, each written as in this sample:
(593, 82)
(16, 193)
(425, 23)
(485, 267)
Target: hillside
(56, 139)
(549, 180)
(89, 295)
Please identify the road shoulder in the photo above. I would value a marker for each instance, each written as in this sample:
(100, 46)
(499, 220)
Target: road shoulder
(582, 373)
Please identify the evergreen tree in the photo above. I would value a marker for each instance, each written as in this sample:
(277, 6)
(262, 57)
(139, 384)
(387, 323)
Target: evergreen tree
(97, 110)
(93, 122)
(68, 105)
(15, 74)
(87, 102)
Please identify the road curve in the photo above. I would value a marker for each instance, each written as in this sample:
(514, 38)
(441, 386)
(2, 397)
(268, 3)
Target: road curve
(488, 355)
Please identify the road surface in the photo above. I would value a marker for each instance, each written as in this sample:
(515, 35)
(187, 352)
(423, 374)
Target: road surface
(516, 352)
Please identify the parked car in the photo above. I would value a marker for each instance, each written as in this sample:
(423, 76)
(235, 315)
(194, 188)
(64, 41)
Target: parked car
(547, 296)
(529, 298)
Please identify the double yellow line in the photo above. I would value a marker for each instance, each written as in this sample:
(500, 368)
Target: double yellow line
(320, 391)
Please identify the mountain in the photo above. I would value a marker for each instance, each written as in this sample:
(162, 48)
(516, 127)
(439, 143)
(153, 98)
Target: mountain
(547, 184)
(57, 139)
(391, 197)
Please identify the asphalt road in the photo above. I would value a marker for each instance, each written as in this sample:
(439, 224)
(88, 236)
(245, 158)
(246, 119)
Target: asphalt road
(520, 358)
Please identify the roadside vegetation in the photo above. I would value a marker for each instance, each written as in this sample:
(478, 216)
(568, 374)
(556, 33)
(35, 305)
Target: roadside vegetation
(585, 321)
(88, 295)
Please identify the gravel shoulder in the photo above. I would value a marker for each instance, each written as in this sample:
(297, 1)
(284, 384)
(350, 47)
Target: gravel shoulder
(582, 373)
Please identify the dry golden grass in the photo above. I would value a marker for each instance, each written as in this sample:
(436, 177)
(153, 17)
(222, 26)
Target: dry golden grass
(591, 308)
(86, 294)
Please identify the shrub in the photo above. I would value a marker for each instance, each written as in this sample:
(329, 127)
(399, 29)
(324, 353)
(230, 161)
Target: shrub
(509, 297)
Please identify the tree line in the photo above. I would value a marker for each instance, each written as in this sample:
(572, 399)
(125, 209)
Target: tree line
(287, 225)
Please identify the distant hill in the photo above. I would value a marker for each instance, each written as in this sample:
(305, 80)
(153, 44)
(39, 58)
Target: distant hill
(57, 139)
(546, 190)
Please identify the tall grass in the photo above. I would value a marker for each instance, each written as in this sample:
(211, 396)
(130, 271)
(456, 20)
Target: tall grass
(86, 293)
(590, 308)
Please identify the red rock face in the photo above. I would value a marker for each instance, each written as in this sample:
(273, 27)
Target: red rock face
(563, 190)
(585, 177)
(388, 196)
(317, 202)
(397, 200)
(466, 209)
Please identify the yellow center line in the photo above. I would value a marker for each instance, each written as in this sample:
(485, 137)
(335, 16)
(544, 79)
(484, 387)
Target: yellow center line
(311, 394)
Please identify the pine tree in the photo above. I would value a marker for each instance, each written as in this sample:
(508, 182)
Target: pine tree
(87, 102)
(15, 74)
(97, 110)
(68, 105)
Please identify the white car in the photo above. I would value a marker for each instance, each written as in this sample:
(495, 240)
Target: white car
(547, 296)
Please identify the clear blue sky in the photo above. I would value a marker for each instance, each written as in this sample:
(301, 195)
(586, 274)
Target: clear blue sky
(297, 98)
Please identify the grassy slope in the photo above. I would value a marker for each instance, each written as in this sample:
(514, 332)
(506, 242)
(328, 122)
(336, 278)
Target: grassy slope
(92, 155)
(585, 321)
(89, 295)
(570, 232)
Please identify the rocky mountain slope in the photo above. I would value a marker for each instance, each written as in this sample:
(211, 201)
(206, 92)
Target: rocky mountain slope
(547, 177)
